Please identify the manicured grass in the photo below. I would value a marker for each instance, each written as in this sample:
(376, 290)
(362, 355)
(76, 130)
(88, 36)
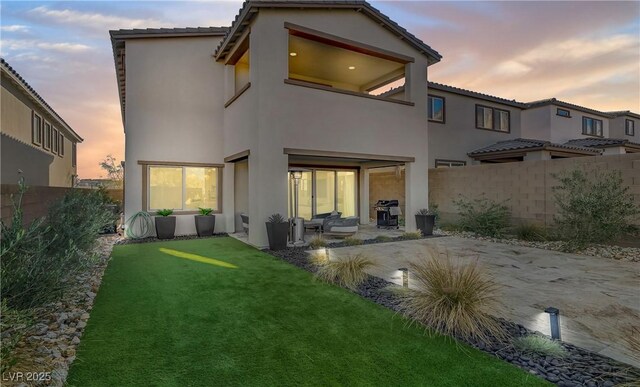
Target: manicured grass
(217, 312)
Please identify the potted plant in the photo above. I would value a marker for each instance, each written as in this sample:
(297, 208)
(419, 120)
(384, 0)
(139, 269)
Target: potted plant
(205, 222)
(277, 231)
(425, 220)
(165, 224)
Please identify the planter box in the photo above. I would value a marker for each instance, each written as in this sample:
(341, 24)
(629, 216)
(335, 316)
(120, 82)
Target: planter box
(165, 227)
(205, 224)
(278, 234)
(425, 224)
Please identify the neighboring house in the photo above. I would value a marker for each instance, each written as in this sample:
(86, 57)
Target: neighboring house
(216, 117)
(624, 125)
(36, 142)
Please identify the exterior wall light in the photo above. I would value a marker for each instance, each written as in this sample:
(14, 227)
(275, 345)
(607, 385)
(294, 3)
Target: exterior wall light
(554, 321)
(405, 276)
(293, 53)
(352, 67)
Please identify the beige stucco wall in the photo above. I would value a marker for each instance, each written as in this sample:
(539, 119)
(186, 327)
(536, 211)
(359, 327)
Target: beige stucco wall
(617, 128)
(458, 135)
(15, 122)
(386, 185)
(542, 123)
(526, 186)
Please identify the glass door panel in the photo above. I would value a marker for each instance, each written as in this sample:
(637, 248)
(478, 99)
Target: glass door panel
(347, 195)
(325, 191)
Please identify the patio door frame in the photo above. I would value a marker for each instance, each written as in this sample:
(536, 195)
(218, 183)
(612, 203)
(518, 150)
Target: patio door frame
(335, 169)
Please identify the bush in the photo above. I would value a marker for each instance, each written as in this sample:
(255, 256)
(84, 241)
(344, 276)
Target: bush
(592, 210)
(531, 232)
(37, 258)
(353, 241)
(383, 238)
(540, 345)
(411, 235)
(483, 216)
(317, 242)
(13, 325)
(318, 258)
(348, 272)
(453, 299)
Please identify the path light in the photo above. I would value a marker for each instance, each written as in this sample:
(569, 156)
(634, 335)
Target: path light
(554, 321)
(405, 276)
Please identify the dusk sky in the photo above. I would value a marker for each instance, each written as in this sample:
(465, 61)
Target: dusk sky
(587, 53)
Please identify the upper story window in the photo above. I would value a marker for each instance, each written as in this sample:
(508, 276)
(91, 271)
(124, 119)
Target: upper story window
(36, 129)
(629, 127)
(183, 188)
(591, 126)
(332, 63)
(56, 141)
(241, 61)
(436, 109)
(74, 155)
(47, 136)
(61, 144)
(493, 119)
(563, 113)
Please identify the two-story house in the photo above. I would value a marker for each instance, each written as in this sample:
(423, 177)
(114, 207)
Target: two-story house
(36, 142)
(217, 117)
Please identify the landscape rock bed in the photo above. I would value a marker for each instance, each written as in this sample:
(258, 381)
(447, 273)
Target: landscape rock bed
(628, 254)
(128, 241)
(375, 241)
(49, 346)
(579, 368)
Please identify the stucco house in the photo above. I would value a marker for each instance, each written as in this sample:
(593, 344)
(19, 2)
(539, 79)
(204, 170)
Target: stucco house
(216, 117)
(36, 142)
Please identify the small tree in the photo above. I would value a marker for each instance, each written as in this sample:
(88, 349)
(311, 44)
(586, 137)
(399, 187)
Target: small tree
(114, 170)
(592, 210)
(483, 216)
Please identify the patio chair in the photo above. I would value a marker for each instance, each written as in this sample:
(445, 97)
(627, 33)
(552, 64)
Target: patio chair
(245, 223)
(341, 227)
(317, 222)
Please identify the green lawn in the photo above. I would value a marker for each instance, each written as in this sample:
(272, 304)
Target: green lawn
(217, 312)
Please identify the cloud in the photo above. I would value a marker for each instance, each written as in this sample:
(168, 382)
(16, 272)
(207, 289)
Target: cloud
(577, 49)
(62, 47)
(14, 28)
(92, 20)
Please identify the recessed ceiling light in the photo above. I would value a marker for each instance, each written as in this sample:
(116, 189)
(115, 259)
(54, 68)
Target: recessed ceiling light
(352, 67)
(293, 53)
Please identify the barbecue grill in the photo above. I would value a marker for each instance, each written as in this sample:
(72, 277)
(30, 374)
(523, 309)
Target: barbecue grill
(388, 212)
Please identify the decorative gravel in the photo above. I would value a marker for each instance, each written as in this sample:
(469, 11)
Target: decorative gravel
(629, 254)
(128, 241)
(579, 368)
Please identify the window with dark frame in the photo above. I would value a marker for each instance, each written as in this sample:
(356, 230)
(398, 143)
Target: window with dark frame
(591, 126)
(74, 160)
(563, 113)
(629, 128)
(36, 129)
(493, 119)
(450, 163)
(61, 145)
(47, 136)
(183, 188)
(54, 145)
(436, 109)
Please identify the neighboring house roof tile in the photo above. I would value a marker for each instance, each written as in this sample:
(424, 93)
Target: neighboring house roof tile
(251, 7)
(627, 113)
(529, 145)
(600, 142)
(475, 94)
(557, 102)
(36, 97)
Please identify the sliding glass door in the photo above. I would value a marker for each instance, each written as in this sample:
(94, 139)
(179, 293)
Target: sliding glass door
(324, 190)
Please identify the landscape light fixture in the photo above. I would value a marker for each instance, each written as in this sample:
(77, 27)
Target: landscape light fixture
(554, 321)
(405, 276)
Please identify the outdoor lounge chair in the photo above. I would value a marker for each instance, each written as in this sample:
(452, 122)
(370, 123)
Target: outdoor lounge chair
(245, 223)
(341, 227)
(317, 222)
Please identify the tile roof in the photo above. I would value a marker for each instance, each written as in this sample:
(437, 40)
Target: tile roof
(621, 113)
(470, 93)
(34, 94)
(557, 102)
(251, 7)
(599, 142)
(527, 144)
(165, 32)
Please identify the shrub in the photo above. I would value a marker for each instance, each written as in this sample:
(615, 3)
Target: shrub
(450, 227)
(531, 232)
(37, 258)
(383, 238)
(348, 272)
(317, 242)
(13, 325)
(411, 235)
(592, 210)
(453, 299)
(353, 241)
(483, 216)
(540, 345)
(318, 258)
(633, 341)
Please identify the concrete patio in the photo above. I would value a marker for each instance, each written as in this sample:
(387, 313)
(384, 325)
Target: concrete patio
(598, 298)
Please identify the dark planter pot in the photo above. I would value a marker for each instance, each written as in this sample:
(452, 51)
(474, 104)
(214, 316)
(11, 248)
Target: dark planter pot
(166, 227)
(205, 225)
(425, 223)
(278, 235)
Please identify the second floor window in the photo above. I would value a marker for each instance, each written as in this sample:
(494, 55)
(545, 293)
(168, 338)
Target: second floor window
(591, 126)
(47, 135)
(629, 128)
(36, 129)
(56, 141)
(74, 155)
(436, 109)
(493, 119)
(563, 113)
